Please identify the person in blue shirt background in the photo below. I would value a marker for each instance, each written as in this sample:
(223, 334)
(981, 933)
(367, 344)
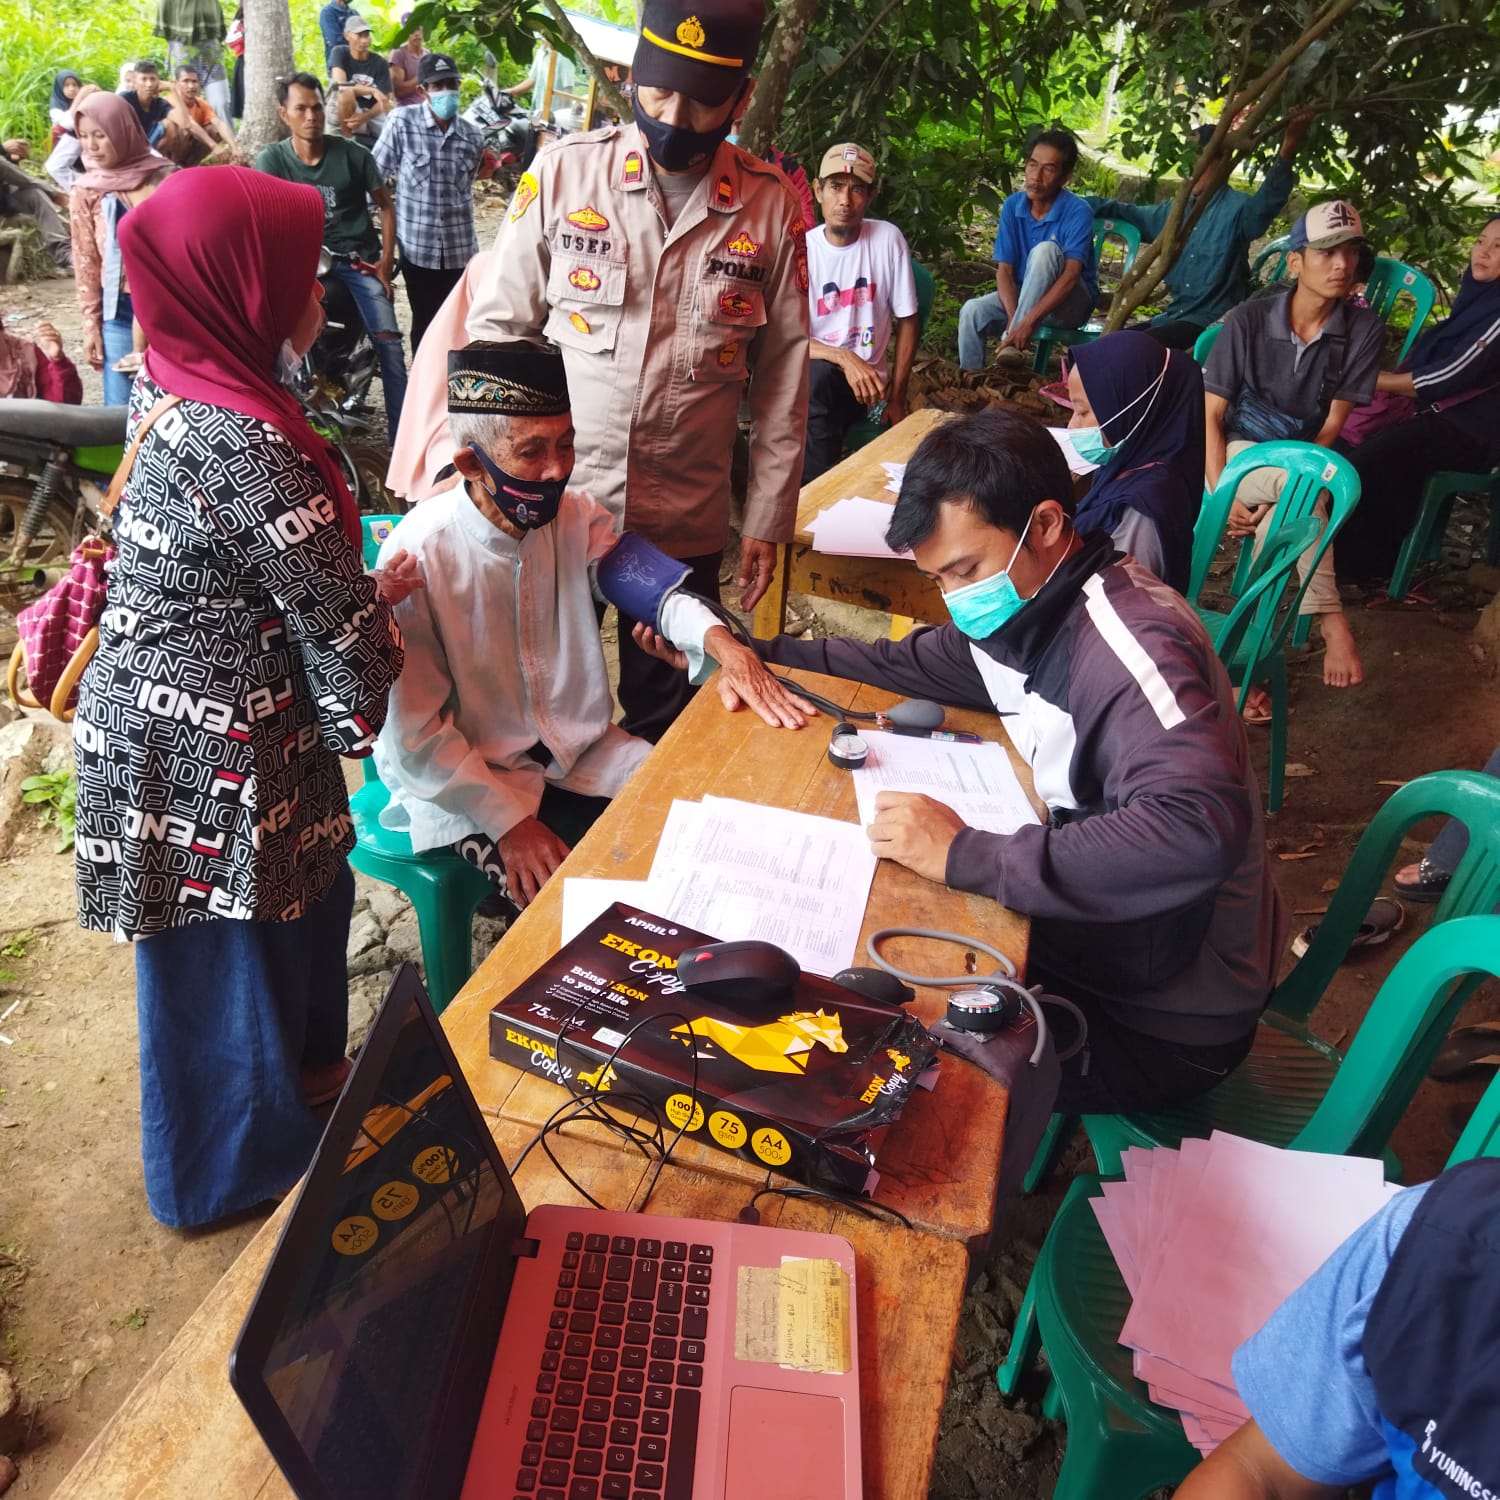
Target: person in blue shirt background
(1213, 273)
(331, 21)
(1384, 1366)
(1044, 258)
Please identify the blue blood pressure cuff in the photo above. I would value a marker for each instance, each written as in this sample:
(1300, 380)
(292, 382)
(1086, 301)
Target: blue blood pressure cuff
(638, 578)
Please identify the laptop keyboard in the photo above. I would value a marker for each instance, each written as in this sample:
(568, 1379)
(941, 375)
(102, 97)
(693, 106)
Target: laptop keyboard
(615, 1414)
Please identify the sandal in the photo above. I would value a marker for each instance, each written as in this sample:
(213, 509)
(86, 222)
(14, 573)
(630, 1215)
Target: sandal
(1427, 887)
(1469, 1049)
(1386, 916)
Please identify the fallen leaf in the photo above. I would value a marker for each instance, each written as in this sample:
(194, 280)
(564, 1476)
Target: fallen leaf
(1390, 783)
(1303, 854)
(1329, 887)
(1310, 911)
(1295, 768)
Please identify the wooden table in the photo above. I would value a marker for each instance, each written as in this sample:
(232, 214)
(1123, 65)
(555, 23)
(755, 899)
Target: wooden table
(941, 1161)
(890, 584)
(182, 1432)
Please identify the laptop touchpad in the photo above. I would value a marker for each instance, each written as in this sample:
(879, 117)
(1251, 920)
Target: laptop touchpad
(785, 1444)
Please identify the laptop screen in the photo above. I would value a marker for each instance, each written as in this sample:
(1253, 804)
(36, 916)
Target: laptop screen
(365, 1355)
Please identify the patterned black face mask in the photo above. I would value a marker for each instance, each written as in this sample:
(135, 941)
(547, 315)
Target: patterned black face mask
(527, 503)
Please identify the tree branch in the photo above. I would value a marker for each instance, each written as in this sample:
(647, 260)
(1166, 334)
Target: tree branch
(610, 90)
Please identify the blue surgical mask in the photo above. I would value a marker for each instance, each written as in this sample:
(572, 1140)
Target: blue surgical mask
(443, 103)
(1088, 443)
(980, 609)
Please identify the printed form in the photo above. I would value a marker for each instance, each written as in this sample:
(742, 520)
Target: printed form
(976, 781)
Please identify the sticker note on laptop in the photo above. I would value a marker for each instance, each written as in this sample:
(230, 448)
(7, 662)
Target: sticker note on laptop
(795, 1315)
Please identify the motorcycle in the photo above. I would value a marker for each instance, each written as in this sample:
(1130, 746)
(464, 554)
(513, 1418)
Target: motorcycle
(55, 466)
(509, 131)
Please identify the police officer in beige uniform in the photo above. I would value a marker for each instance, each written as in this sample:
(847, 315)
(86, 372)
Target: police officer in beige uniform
(671, 268)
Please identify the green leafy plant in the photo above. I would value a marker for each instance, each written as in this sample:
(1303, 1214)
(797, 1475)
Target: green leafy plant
(55, 795)
(16, 947)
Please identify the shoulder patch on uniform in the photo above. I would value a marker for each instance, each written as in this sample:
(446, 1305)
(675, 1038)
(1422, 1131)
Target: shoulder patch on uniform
(525, 195)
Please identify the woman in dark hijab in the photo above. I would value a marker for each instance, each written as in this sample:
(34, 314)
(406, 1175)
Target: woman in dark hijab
(1138, 414)
(60, 106)
(1443, 412)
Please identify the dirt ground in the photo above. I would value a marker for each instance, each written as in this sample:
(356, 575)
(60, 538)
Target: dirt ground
(92, 1290)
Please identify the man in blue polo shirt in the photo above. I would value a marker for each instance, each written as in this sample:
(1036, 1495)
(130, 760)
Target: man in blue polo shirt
(1383, 1366)
(1212, 274)
(1044, 259)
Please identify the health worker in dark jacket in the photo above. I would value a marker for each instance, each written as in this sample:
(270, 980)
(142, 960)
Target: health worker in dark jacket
(1148, 887)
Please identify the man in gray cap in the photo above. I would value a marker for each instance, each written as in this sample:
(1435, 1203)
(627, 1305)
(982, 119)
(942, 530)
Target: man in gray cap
(671, 268)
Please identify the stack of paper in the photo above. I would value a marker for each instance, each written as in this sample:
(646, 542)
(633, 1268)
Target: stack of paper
(853, 528)
(742, 870)
(1210, 1240)
(894, 474)
(976, 781)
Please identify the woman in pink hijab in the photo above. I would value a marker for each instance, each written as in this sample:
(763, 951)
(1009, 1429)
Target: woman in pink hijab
(121, 172)
(242, 651)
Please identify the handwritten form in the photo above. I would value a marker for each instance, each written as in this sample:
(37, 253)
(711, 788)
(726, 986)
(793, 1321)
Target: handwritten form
(743, 870)
(1210, 1240)
(976, 781)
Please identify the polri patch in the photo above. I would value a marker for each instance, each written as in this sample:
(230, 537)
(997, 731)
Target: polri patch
(526, 194)
(743, 246)
(588, 218)
(735, 305)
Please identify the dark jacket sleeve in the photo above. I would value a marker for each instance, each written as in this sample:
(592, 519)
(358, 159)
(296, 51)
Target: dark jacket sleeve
(1478, 365)
(933, 662)
(1258, 210)
(1167, 758)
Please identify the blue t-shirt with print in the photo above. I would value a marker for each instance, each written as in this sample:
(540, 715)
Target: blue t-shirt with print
(1068, 223)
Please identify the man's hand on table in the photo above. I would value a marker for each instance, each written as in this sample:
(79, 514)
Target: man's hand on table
(743, 678)
(757, 569)
(531, 852)
(915, 831)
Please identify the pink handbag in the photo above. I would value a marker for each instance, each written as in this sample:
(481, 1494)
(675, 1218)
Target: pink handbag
(60, 631)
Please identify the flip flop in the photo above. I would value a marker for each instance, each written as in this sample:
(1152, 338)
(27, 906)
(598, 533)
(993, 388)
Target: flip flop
(1385, 917)
(1427, 888)
(1256, 715)
(1468, 1050)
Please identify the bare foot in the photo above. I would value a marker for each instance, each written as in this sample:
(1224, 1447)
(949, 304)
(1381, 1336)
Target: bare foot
(1341, 666)
(1257, 709)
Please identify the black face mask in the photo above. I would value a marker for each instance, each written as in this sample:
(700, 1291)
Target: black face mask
(674, 149)
(527, 503)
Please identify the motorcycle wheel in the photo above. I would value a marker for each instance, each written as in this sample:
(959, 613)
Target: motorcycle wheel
(63, 526)
(367, 458)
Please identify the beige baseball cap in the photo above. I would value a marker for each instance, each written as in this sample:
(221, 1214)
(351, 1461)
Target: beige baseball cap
(848, 157)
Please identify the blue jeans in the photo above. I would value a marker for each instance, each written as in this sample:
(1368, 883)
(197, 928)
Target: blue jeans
(1449, 846)
(117, 344)
(229, 1013)
(378, 314)
(983, 317)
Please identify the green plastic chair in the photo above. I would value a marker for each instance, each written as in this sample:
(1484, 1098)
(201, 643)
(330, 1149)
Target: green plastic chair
(1205, 341)
(1121, 1445)
(1389, 281)
(1310, 470)
(866, 431)
(1274, 253)
(1289, 1070)
(1049, 334)
(444, 888)
(1424, 542)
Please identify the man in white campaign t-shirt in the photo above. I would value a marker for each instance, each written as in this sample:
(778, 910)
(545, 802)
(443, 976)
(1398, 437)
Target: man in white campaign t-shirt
(860, 288)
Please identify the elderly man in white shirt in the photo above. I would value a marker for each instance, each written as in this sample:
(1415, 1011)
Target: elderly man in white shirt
(500, 740)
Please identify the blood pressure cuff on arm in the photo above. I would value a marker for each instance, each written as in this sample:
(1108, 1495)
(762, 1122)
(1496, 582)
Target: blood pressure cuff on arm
(637, 578)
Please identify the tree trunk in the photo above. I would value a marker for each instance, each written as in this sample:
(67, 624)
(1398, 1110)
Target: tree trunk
(775, 75)
(269, 55)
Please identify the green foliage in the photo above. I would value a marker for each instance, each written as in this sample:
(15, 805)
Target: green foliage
(16, 947)
(946, 93)
(55, 795)
(39, 38)
(1402, 88)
